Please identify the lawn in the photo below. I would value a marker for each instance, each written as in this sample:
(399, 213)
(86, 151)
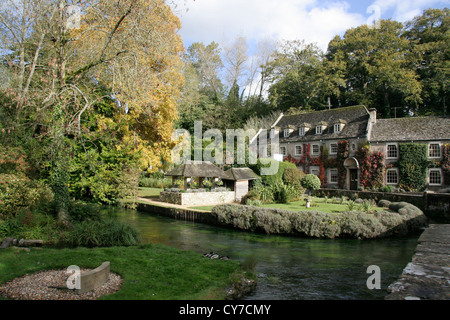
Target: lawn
(317, 204)
(149, 192)
(149, 272)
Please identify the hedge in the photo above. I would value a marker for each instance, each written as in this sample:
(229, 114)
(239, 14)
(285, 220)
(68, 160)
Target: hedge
(407, 220)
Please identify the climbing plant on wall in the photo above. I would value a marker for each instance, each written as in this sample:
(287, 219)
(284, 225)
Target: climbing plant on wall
(412, 164)
(371, 167)
(445, 163)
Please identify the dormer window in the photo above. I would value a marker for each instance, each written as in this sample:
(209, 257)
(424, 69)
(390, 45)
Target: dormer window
(337, 128)
(302, 131)
(319, 130)
(287, 133)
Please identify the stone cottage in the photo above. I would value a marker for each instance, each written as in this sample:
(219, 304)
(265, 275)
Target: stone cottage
(326, 143)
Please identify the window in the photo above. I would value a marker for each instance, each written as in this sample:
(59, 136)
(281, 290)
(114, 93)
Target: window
(333, 176)
(283, 151)
(392, 151)
(314, 170)
(319, 130)
(315, 150)
(392, 176)
(434, 150)
(435, 177)
(286, 133)
(301, 132)
(333, 148)
(298, 150)
(337, 128)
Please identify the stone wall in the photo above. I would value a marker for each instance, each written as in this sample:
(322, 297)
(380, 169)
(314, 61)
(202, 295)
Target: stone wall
(198, 198)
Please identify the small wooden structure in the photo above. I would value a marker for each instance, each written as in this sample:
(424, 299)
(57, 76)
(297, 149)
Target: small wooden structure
(239, 180)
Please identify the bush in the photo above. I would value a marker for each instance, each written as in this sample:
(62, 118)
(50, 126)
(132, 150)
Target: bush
(384, 203)
(17, 192)
(311, 182)
(272, 179)
(293, 176)
(322, 225)
(103, 233)
(81, 211)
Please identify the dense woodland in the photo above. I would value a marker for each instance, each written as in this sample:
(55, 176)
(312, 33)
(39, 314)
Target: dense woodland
(87, 105)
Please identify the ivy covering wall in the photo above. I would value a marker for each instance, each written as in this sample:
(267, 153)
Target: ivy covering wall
(413, 164)
(445, 163)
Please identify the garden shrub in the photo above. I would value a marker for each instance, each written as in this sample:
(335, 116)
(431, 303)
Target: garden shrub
(323, 225)
(311, 182)
(293, 176)
(384, 203)
(80, 211)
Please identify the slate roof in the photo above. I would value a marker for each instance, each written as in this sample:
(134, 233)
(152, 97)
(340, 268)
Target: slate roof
(411, 129)
(240, 174)
(355, 119)
(204, 169)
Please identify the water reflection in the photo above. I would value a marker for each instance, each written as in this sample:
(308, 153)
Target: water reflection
(288, 268)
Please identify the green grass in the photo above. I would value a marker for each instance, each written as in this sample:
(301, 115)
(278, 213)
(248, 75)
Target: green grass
(149, 272)
(204, 208)
(318, 204)
(149, 192)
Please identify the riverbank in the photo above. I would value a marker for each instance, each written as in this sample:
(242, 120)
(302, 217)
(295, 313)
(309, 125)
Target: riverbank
(426, 277)
(149, 272)
(402, 220)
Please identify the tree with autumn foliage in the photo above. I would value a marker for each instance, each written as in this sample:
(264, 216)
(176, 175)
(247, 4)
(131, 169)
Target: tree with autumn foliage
(91, 81)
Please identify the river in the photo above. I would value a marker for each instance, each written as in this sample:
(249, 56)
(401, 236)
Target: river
(288, 268)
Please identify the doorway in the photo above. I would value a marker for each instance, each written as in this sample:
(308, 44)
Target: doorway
(353, 179)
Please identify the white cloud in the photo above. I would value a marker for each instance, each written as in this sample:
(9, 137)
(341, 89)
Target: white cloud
(311, 20)
(405, 10)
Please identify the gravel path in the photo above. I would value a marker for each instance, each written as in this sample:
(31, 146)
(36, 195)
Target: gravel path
(39, 286)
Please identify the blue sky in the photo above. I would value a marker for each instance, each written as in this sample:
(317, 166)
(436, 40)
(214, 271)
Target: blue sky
(310, 20)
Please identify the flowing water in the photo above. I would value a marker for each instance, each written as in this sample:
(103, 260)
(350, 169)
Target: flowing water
(288, 268)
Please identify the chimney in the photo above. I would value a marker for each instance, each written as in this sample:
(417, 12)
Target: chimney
(373, 115)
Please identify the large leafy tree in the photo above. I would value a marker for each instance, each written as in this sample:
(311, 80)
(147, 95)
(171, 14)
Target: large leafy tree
(378, 68)
(429, 33)
(301, 78)
(66, 61)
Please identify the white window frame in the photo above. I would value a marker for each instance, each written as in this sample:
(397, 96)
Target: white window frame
(302, 131)
(440, 150)
(301, 150)
(330, 173)
(319, 129)
(283, 151)
(312, 150)
(337, 128)
(387, 150)
(440, 176)
(314, 168)
(286, 133)
(387, 174)
(331, 148)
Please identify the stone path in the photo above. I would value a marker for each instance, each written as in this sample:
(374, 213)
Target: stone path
(166, 204)
(427, 276)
